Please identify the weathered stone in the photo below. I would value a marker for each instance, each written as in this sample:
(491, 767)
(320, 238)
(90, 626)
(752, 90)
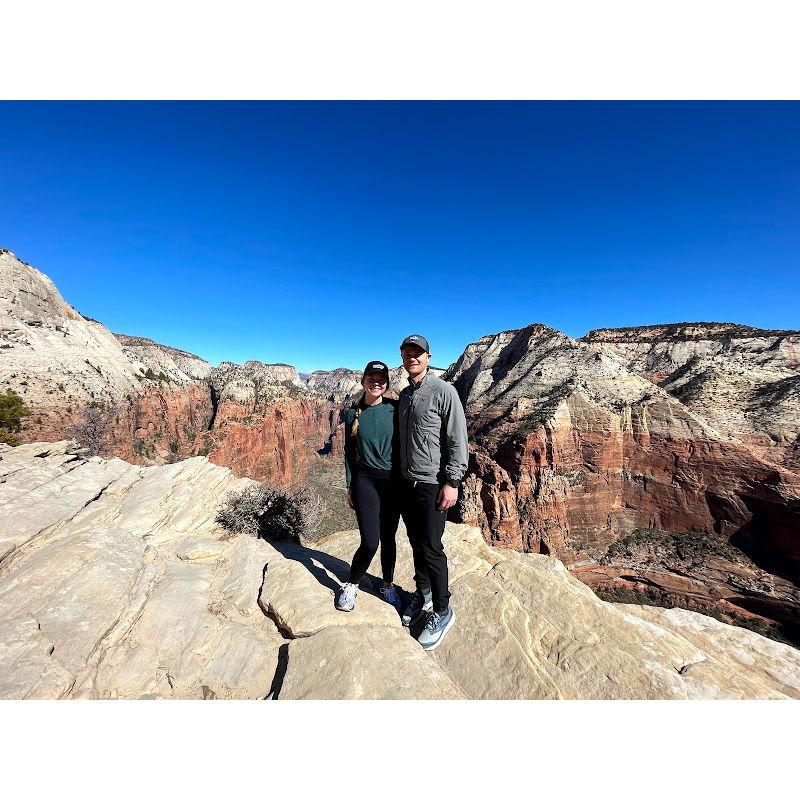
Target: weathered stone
(744, 380)
(146, 402)
(244, 571)
(302, 606)
(742, 652)
(572, 451)
(525, 628)
(118, 599)
(28, 669)
(98, 603)
(195, 548)
(364, 663)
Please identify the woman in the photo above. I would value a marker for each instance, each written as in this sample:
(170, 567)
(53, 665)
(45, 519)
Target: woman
(370, 455)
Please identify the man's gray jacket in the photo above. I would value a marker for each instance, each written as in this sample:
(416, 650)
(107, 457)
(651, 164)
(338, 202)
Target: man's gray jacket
(433, 432)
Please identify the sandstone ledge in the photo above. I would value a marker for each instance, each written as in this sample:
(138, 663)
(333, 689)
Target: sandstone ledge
(115, 582)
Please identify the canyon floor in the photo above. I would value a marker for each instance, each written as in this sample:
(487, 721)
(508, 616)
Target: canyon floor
(116, 582)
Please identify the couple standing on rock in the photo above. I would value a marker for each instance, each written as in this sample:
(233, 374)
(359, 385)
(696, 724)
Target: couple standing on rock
(406, 458)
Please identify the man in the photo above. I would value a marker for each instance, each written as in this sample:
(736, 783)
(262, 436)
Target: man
(433, 461)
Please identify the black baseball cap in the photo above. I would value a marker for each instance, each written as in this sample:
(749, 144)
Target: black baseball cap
(419, 341)
(377, 366)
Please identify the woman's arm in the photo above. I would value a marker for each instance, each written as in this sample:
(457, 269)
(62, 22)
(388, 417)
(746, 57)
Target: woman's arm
(349, 446)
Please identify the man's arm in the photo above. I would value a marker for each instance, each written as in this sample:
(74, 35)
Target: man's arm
(455, 426)
(455, 430)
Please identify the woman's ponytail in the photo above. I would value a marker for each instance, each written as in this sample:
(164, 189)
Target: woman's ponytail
(359, 406)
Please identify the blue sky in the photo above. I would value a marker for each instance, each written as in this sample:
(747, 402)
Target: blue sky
(320, 234)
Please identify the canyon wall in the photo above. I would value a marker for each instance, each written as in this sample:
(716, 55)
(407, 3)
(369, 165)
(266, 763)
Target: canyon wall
(572, 451)
(745, 381)
(143, 401)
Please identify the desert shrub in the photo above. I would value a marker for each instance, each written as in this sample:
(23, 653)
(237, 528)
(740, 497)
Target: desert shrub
(623, 594)
(12, 410)
(271, 512)
(652, 597)
(8, 438)
(151, 375)
(93, 426)
(689, 545)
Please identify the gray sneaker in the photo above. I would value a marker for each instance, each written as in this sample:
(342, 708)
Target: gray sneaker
(347, 597)
(389, 594)
(416, 608)
(435, 629)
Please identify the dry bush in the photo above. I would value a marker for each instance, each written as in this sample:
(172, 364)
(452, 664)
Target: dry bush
(272, 512)
(94, 424)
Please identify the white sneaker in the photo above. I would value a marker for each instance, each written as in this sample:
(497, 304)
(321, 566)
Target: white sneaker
(347, 597)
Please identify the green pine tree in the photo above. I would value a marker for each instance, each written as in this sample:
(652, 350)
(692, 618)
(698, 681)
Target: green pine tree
(12, 410)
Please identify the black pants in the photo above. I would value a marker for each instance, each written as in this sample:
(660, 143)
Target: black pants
(425, 526)
(375, 496)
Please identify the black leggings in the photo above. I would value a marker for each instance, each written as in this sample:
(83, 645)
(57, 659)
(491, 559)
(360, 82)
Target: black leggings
(375, 496)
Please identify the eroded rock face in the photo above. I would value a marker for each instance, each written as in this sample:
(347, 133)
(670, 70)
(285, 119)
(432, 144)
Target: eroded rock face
(254, 384)
(697, 572)
(173, 364)
(115, 582)
(51, 355)
(744, 381)
(123, 395)
(143, 401)
(572, 451)
(273, 446)
(575, 447)
(575, 444)
(336, 385)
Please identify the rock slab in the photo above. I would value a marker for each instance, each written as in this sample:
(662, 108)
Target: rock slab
(116, 582)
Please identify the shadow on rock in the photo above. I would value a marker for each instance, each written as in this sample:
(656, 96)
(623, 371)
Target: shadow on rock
(322, 565)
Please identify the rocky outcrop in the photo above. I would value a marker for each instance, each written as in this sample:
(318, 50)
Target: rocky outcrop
(143, 401)
(686, 428)
(658, 350)
(335, 385)
(170, 363)
(266, 425)
(122, 395)
(51, 355)
(106, 590)
(573, 451)
(255, 383)
(698, 572)
(115, 582)
(745, 381)
(273, 446)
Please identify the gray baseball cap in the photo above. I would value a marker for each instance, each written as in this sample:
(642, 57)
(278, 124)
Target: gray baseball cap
(419, 341)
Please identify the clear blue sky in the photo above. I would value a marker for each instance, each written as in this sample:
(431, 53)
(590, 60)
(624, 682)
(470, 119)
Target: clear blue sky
(320, 234)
